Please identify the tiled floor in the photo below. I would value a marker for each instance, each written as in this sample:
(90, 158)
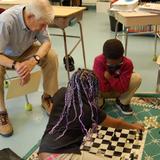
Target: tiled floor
(29, 126)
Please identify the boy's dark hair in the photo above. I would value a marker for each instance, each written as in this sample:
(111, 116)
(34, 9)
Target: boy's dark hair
(113, 49)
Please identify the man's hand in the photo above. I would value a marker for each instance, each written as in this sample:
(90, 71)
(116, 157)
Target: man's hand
(25, 80)
(24, 69)
(107, 75)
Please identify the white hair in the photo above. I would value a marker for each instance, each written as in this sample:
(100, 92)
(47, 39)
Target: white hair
(41, 9)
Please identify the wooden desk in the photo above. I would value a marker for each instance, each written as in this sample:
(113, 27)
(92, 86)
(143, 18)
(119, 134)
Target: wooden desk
(64, 17)
(129, 19)
(68, 16)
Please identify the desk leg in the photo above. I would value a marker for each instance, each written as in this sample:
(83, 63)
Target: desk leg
(82, 42)
(126, 37)
(126, 41)
(66, 52)
(155, 44)
(116, 29)
(65, 46)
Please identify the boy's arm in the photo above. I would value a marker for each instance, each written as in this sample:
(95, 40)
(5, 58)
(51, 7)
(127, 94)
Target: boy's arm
(121, 83)
(118, 123)
(99, 69)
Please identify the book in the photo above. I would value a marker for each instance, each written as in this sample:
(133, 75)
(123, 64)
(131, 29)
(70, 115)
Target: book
(124, 5)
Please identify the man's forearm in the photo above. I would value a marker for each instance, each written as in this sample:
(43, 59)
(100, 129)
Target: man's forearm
(5, 61)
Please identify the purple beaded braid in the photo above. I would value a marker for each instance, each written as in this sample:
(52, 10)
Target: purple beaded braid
(82, 82)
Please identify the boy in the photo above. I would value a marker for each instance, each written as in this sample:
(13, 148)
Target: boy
(115, 75)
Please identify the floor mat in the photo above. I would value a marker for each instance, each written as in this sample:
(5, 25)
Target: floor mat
(142, 107)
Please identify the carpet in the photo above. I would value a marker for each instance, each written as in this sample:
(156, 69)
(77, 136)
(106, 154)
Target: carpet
(143, 106)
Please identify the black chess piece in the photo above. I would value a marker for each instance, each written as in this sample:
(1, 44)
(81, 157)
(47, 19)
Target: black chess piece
(132, 156)
(114, 137)
(140, 134)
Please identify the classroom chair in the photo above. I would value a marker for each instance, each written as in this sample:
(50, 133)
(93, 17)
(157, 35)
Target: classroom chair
(14, 89)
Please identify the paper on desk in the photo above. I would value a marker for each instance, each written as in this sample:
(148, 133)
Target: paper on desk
(150, 7)
(124, 5)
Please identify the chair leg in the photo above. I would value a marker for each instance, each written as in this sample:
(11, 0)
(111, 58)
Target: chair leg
(6, 84)
(28, 106)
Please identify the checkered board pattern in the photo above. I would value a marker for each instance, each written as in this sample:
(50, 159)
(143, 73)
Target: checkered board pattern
(103, 142)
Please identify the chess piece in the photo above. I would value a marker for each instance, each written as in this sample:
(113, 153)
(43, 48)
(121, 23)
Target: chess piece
(137, 139)
(100, 135)
(122, 158)
(140, 132)
(132, 156)
(94, 128)
(114, 137)
(140, 135)
(88, 137)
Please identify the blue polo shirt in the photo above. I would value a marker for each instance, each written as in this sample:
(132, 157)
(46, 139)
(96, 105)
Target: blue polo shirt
(15, 37)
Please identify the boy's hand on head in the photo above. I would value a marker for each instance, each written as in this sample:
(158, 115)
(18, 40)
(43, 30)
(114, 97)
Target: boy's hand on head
(138, 126)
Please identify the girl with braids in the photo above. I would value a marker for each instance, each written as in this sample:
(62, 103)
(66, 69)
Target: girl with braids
(74, 112)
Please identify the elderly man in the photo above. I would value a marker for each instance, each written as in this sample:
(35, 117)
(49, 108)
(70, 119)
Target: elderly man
(20, 27)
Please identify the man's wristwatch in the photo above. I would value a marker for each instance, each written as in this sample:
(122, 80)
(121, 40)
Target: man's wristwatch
(37, 58)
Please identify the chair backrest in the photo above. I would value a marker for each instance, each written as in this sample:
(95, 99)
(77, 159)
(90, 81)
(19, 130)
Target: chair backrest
(16, 90)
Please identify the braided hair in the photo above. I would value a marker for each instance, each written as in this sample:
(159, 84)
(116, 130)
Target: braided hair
(83, 83)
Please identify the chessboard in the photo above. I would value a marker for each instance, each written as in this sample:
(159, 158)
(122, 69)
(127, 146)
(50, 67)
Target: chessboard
(116, 144)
